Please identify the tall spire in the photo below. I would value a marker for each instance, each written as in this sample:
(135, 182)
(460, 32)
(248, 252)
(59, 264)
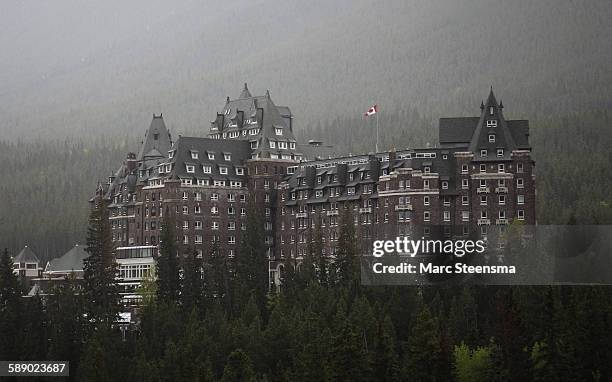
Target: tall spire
(245, 92)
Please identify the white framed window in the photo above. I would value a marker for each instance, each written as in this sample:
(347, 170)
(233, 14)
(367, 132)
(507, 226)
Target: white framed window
(197, 209)
(186, 224)
(231, 210)
(483, 153)
(445, 185)
(227, 156)
(197, 224)
(520, 214)
(254, 145)
(492, 123)
(185, 210)
(292, 145)
(185, 195)
(520, 183)
(214, 196)
(502, 214)
(207, 169)
(350, 191)
(446, 216)
(502, 200)
(425, 200)
(198, 239)
(214, 210)
(427, 169)
(464, 169)
(194, 155)
(185, 239)
(501, 168)
(272, 144)
(426, 183)
(239, 171)
(465, 184)
(211, 156)
(231, 226)
(426, 216)
(492, 138)
(215, 226)
(500, 152)
(483, 168)
(465, 216)
(483, 183)
(282, 145)
(278, 131)
(231, 240)
(483, 200)
(465, 200)
(520, 199)
(223, 170)
(190, 168)
(519, 167)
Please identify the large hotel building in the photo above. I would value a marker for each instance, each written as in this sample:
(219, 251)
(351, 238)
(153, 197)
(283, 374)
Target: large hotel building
(480, 174)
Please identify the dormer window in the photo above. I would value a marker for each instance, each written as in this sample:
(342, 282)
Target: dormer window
(427, 169)
(253, 145)
(156, 136)
(194, 155)
(444, 185)
(207, 169)
(500, 152)
(227, 157)
(211, 156)
(279, 131)
(491, 123)
(492, 138)
(501, 168)
(292, 145)
(171, 154)
(483, 168)
(190, 168)
(240, 171)
(223, 170)
(464, 168)
(272, 144)
(483, 153)
(491, 110)
(282, 145)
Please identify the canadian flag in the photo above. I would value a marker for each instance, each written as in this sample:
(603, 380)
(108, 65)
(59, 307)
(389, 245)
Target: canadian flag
(372, 110)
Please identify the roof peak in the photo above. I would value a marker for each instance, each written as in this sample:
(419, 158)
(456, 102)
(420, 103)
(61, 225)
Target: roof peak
(245, 92)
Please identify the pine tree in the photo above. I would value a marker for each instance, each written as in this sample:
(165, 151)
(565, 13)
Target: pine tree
(167, 269)
(101, 294)
(423, 353)
(346, 263)
(238, 368)
(193, 285)
(10, 307)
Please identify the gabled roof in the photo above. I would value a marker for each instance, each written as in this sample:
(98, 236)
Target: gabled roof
(71, 261)
(26, 256)
(245, 92)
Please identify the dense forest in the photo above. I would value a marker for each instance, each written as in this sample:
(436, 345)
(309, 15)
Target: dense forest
(211, 324)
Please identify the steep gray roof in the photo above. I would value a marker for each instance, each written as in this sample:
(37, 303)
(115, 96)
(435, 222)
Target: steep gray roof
(239, 151)
(245, 92)
(157, 140)
(26, 256)
(457, 130)
(71, 261)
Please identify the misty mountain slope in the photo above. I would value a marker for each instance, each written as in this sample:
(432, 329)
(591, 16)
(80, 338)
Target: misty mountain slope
(85, 68)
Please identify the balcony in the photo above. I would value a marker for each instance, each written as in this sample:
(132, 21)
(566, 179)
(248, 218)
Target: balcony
(500, 190)
(484, 221)
(482, 190)
(332, 213)
(502, 221)
(403, 207)
(301, 215)
(366, 210)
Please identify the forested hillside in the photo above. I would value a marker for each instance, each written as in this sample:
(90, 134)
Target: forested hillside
(77, 68)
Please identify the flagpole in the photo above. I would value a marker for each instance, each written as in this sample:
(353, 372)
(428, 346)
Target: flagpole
(377, 132)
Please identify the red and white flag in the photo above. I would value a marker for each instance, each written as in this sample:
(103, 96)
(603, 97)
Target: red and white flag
(372, 110)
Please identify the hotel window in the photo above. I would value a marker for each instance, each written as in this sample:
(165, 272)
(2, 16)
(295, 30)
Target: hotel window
(483, 200)
(211, 156)
(207, 169)
(445, 185)
(426, 183)
(279, 131)
(350, 190)
(254, 145)
(519, 167)
(500, 152)
(239, 171)
(520, 199)
(223, 170)
(501, 168)
(190, 169)
(483, 153)
(427, 169)
(483, 214)
(521, 214)
(198, 239)
(426, 216)
(464, 168)
(186, 224)
(483, 183)
(198, 196)
(194, 155)
(185, 195)
(243, 198)
(446, 216)
(214, 210)
(483, 168)
(231, 197)
(282, 145)
(215, 225)
(318, 194)
(426, 200)
(464, 183)
(444, 156)
(231, 226)
(227, 157)
(519, 183)
(197, 224)
(214, 196)
(491, 123)
(197, 210)
(492, 138)
(185, 210)
(186, 182)
(292, 145)
(502, 214)
(501, 182)
(231, 210)
(185, 239)
(272, 144)
(464, 200)
(231, 240)
(219, 183)
(502, 200)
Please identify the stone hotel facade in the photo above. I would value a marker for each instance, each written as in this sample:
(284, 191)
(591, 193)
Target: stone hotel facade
(480, 174)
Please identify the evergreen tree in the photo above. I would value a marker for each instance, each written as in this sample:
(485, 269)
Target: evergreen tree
(167, 269)
(238, 368)
(346, 263)
(100, 293)
(423, 353)
(10, 307)
(192, 293)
